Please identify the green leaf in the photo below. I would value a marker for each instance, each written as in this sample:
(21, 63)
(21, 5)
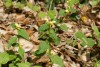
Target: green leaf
(85, 41)
(57, 60)
(80, 35)
(37, 66)
(36, 8)
(42, 14)
(30, 5)
(8, 3)
(62, 12)
(19, 5)
(94, 2)
(53, 35)
(13, 25)
(64, 27)
(12, 40)
(23, 34)
(44, 27)
(21, 52)
(23, 1)
(12, 65)
(97, 64)
(72, 2)
(12, 57)
(96, 31)
(51, 14)
(26, 64)
(90, 42)
(42, 48)
(4, 58)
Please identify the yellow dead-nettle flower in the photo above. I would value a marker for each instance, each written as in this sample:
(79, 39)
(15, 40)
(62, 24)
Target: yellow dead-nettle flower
(46, 19)
(20, 45)
(52, 23)
(17, 26)
(52, 52)
(67, 11)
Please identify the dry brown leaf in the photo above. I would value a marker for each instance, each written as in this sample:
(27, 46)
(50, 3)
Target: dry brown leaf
(26, 45)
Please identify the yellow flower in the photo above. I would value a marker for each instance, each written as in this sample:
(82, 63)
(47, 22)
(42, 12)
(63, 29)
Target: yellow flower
(67, 11)
(17, 26)
(52, 52)
(46, 19)
(52, 23)
(20, 45)
(84, 18)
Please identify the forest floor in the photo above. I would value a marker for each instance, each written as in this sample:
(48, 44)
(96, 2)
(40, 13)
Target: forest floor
(73, 34)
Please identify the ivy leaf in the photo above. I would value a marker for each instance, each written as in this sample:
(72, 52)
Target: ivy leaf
(53, 35)
(4, 58)
(12, 40)
(44, 27)
(21, 52)
(42, 48)
(64, 27)
(51, 14)
(23, 33)
(42, 14)
(26, 64)
(57, 60)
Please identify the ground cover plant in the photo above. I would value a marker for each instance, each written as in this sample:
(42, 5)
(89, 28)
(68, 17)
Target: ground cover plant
(49, 33)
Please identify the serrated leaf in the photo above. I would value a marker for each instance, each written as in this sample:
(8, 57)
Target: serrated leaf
(4, 58)
(42, 14)
(13, 25)
(72, 2)
(96, 30)
(79, 35)
(12, 65)
(8, 3)
(26, 64)
(97, 64)
(43, 27)
(64, 27)
(37, 66)
(42, 47)
(90, 42)
(53, 35)
(62, 12)
(23, 33)
(82, 37)
(12, 57)
(85, 41)
(51, 14)
(30, 5)
(57, 60)
(21, 52)
(19, 5)
(35, 8)
(12, 40)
